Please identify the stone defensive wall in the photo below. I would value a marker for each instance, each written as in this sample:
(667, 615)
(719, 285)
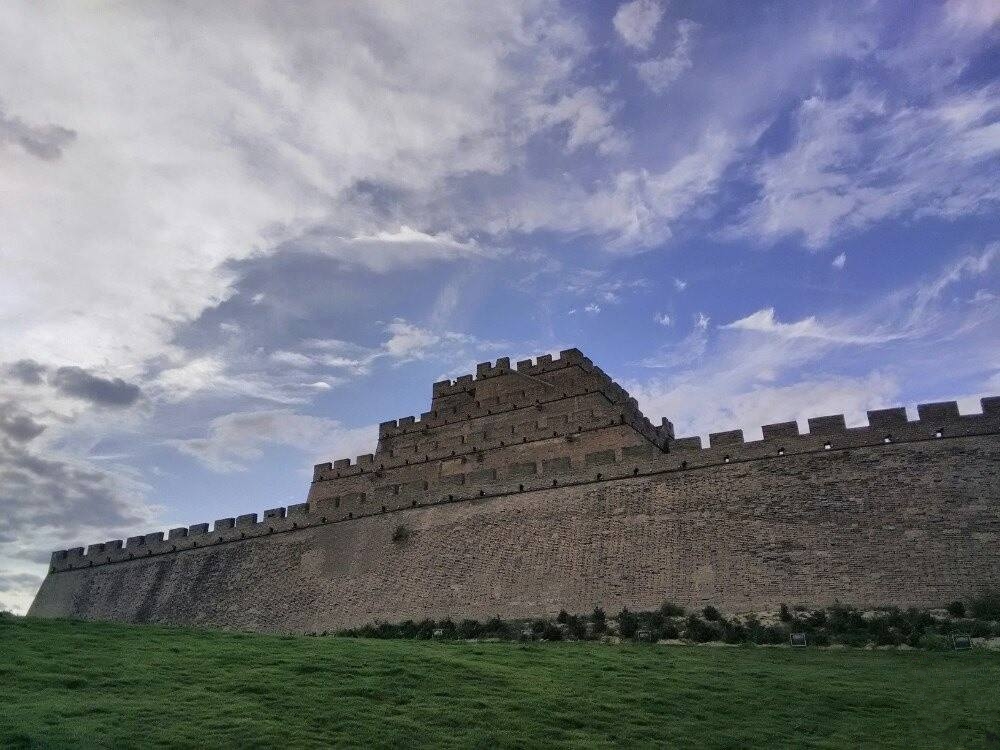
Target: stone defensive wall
(544, 488)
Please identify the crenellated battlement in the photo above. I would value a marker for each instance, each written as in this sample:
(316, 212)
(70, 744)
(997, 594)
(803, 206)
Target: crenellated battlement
(497, 389)
(485, 370)
(522, 419)
(571, 456)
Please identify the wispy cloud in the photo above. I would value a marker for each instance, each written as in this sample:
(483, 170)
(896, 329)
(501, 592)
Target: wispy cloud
(659, 72)
(383, 251)
(636, 22)
(863, 157)
(764, 321)
(758, 370)
(235, 440)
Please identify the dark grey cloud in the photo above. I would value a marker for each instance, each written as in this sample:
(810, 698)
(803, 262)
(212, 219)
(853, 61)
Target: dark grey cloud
(44, 141)
(19, 427)
(28, 371)
(17, 581)
(77, 382)
(48, 501)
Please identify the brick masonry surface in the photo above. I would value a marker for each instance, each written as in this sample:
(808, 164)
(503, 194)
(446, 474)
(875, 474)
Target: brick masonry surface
(543, 488)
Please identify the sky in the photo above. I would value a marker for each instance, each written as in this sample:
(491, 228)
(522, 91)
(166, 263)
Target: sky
(233, 243)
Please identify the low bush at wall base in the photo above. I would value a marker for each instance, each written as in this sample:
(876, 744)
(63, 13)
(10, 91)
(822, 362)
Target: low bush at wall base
(839, 625)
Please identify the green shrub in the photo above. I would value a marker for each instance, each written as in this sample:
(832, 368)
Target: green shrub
(855, 639)
(401, 534)
(733, 632)
(669, 609)
(945, 627)
(495, 628)
(599, 620)
(883, 633)
(696, 629)
(956, 609)
(816, 619)
(935, 642)
(986, 606)
(425, 629)
(766, 634)
(668, 632)
(577, 627)
(978, 628)
(388, 630)
(551, 633)
(628, 624)
(839, 624)
(843, 619)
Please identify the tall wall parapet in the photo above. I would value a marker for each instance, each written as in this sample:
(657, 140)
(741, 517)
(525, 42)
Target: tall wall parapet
(572, 434)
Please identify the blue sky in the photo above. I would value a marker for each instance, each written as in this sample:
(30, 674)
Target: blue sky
(231, 244)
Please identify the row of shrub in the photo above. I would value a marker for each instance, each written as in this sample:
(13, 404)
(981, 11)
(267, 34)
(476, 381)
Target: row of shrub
(836, 625)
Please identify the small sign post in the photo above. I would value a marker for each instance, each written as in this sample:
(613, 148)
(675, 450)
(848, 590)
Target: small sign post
(961, 641)
(798, 640)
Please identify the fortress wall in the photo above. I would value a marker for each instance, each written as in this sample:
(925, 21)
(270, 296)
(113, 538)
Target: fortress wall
(836, 513)
(579, 435)
(466, 475)
(497, 389)
(530, 419)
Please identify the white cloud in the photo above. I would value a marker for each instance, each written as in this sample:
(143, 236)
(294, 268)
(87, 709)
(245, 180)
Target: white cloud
(972, 14)
(405, 342)
(635, 209)
(636, 22)
(192, 154)
(764, 321)
(758, 369)
(292, 359)
(687, 351)
(862, 157)
(680, 285)
(839, 261)
(212, 375)
(717, 404)
(587, 118)
(663, 319)
(593, 308)
(234, 440)
(658, 73)
(385, 251)
(408, 341)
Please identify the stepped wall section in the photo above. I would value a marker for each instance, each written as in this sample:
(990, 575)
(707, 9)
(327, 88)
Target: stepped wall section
(893, 512)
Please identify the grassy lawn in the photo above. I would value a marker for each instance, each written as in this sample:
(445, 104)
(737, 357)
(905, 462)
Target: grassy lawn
(71, 684)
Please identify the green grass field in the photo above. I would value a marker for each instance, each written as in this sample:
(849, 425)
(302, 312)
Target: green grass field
(71, 684)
